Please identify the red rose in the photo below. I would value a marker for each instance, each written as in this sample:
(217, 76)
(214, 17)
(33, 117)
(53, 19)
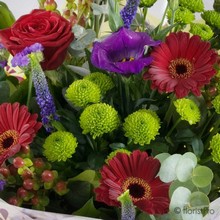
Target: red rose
(44, 27)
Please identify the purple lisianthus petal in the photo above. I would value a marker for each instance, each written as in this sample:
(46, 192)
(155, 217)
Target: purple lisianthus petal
(3, 63)
(122, 52)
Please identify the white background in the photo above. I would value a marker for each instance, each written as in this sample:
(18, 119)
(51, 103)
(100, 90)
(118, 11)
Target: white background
(20, 7)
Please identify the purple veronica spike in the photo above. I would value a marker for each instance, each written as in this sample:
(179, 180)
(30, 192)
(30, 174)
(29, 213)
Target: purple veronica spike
(1, 46)
(129, 11)
(44, 98)
(2, 185)
(123, 52)
(21, 59)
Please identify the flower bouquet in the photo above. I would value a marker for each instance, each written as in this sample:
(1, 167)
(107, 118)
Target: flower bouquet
(104, 115)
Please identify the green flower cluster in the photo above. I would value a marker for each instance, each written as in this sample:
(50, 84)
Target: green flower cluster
(103, 81)
(147, 3)
(83, 92)
(113, 154)
(182, 15)
(216, 104)
(188, 110)
(98, 119)
(142, 126)
(192, 5)
(214, 146)
(203, 30)
(212, 18)
(59, 146)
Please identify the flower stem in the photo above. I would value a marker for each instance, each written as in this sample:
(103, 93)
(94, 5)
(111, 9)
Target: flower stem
(163, 18)
(30, 86)
(205, 160)
(174, 126)
(144, 18)
(169, 112)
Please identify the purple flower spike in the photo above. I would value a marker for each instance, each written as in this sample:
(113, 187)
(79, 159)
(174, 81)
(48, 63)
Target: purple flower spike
(2, 185)
(129, 11)
(123, 52)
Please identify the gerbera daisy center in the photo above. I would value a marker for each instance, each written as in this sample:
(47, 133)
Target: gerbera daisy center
(138, 188)
(181, 68)
(8, 139)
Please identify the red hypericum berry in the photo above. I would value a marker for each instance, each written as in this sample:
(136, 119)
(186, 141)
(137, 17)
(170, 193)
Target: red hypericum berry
(47, 176)
(4, 171)
(22, 193)
(13, 170)
(26, 174)
(18, 162)
(212, 91)
(28, 184)
(13, 201)
(25, 149)
(60, 186)
(35, 200)
(38, 163)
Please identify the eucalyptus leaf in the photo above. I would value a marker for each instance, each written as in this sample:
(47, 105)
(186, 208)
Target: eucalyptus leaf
(99, 9)
(202, 176)
(199, 200)
(79, 70)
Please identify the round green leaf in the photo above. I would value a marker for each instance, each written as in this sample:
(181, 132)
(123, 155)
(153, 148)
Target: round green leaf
(167, 171)
(191, 156)
(161, 157)
(184, 169)
(202, 176)
(199, 200)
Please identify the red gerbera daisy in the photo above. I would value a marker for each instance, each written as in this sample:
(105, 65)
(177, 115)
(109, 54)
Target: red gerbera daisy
(181, 64)
(137, 173)
(17, 128)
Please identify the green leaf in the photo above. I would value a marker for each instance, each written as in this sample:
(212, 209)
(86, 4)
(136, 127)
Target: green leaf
(202, 176)
(87, 175)
(167, 171)
(199, 200)
(6, 16)
(88, 210)
(115, 21)
(5, 91)
(161, 157)
(197, 146)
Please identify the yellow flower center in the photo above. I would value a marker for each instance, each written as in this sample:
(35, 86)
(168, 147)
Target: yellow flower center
(138, 188)
(8, 139)
(127, 59)
(181, 68)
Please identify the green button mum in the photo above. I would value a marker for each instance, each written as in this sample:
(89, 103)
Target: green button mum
(103, 81)
(83, 92)
(192, 5)
(142, 126)
(98, 119)
(59, 146)
(203, 30)
(188, 110)
(182, 15)
(147, 3)
(214, 146)
(216, 104)
(212, 18)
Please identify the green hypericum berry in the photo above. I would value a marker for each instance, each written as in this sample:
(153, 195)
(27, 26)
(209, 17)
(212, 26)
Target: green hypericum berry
(203, 30)
(113, 154)
(192, 5)
(147, 3)
(214, 146)
(59, 146)
(99, 119)
(188, 110)
(103, 81)
(182, 15)
(212, 18)
(142, 126)
(216, 104)
(83, 92)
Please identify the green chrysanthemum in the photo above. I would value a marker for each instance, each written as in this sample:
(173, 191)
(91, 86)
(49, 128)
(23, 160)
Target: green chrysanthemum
(142, 126)
(98, 119)
(188, 110)
(214, 146)
(82, 92)
(203, 30)
(113, 153)
(182, 15)
(192, 5)
(103, 81)
(147, 3)
(212, 18)
(216, 104)
(59, 146)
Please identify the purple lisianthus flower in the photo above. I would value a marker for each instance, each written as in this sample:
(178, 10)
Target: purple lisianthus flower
(123, 52)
